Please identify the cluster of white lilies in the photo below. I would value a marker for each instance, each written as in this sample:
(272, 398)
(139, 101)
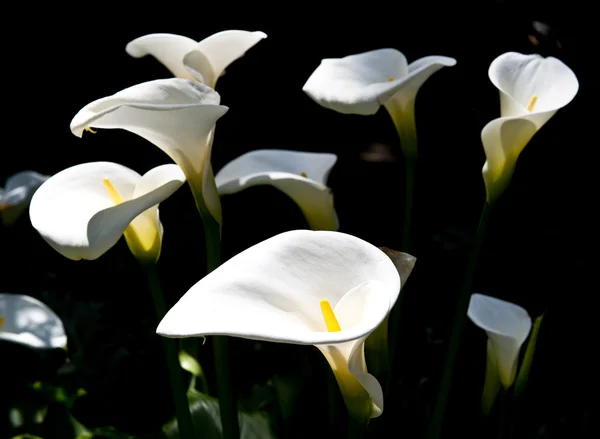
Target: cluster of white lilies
(310, 287)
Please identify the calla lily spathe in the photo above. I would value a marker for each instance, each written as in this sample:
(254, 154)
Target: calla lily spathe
(360, 84)
(176, 115)
(204, 61)
(532, 90)
(507, 326)
(273, 292)
(84, 210)
(29, 322)
(300, 175)
(17, 193)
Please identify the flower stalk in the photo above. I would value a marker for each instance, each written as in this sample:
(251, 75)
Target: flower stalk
(184, 419)
(458, 326)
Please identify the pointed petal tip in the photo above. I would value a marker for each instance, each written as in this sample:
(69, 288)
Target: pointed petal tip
(77, 129)
(449, 61)
(133, 50)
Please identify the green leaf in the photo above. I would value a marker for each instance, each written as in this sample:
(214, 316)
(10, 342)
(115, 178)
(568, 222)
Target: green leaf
(105, 434)
(207, 423)
(523, 376)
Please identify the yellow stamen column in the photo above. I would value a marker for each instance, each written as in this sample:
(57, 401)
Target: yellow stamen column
(532, 103)
(329, 317)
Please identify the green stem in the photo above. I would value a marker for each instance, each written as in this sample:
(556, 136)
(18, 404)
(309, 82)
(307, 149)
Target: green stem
(411, 171)
(212, 238)
(457, 330)
(403, 116)
(227, 401)
(356, 430)
(184, 420)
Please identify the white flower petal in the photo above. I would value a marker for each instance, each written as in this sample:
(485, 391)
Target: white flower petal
(272, 291)
(157, 184)
(168, 49)
(360, 84)
(204, 61)
(507, 326)
(358, 367)
(222, 48)
(406, 88)
(355, 84)
(177, 115)
(199, 68)
(17, 193)
(519, 77)
(74, 213)
(356, 308)
(28, 321)
(503, 140)
(164, 178)
(284, 170)
(316, 166)
(547, 84)
(361, 391)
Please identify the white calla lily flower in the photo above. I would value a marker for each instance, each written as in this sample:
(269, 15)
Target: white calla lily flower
(507, 326)
(84, 210)
(532, 89)
(29, 322)
(176, 115)
(362, 83)
(321, 288)
(17, 193)
(302, 176)
(204, 60)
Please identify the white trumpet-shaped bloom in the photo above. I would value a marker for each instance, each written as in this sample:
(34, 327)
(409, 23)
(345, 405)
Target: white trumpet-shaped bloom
(507, 326)
(83, 211)
(362, 83)
(302, 176)
(276, 291)
(17, 193)
(29, 322)
(176, 115)
(204, 61)
(532, 90)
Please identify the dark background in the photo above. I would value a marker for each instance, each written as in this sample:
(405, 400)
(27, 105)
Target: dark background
(539, 251)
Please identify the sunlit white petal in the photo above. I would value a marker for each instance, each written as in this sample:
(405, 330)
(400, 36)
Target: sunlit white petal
(272, 292)
(300, 175)
(177, 115)
(205, 61)
(168, 49)
(76, 215)
(360, 84)
(532, 90)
